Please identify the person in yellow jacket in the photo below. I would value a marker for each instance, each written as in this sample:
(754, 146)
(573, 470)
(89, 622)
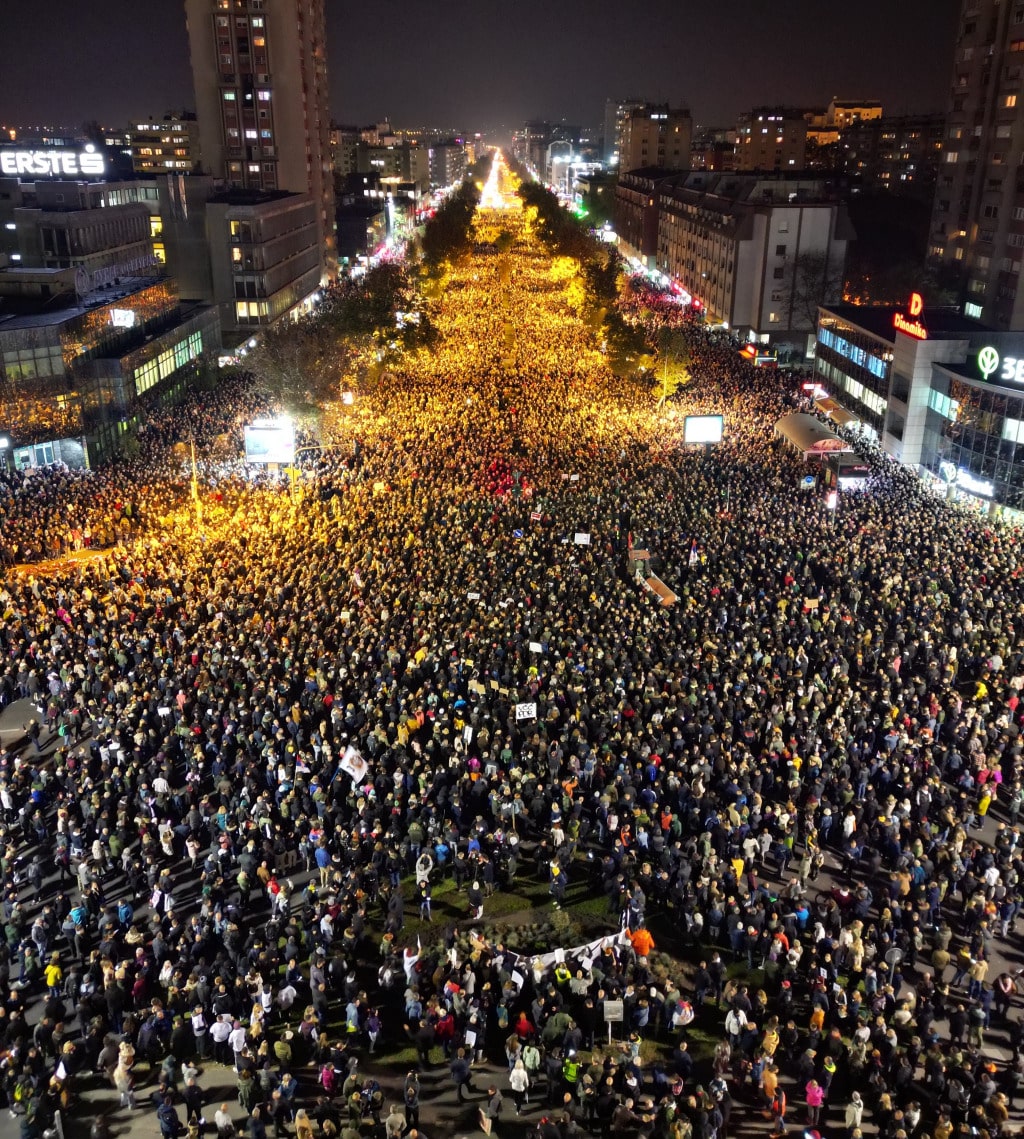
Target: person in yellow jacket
(54, 974)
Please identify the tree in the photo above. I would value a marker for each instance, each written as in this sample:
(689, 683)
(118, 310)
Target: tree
(301, 363)
(625, 345)
(673, 364)
(816, 279)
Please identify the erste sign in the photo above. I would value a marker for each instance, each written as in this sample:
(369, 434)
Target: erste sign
(57, 162)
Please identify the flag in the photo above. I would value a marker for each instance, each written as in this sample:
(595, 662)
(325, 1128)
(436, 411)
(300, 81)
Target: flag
(693, 553)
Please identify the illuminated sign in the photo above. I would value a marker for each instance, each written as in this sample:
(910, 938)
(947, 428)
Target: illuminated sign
(1011, 370)
(703, 428)
(976, 486)
(911, 327)
(122, 317)
(270, 441)
(988, 361)
(55, 163)
(916, 306)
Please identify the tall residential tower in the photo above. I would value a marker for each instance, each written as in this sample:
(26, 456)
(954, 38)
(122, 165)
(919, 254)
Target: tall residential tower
(978, 220)
(259, 68)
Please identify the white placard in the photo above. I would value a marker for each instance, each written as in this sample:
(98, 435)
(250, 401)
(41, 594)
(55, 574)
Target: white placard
(536, 647)
(473, 596)
(517, 978)
(352, 763)
(526, 711)
(467, 733)
(581, 539)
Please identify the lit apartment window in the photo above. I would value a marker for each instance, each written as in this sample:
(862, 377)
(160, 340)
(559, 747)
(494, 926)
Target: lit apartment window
(264, 96)
(229, 96)
(1010, 101)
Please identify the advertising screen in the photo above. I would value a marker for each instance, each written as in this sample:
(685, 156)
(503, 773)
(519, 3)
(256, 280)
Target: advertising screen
(703, 429)
(270, 442)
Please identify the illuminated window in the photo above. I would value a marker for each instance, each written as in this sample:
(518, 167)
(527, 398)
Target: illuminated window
(156, 226)
(229, 96)
(251, 134)
(236, 254)
(257, 21)
(264, 96)
(159, 252)
(259, 41)
(1010, 101)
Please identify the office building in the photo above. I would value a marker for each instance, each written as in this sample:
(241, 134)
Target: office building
(264, 257)
(164, 146)
(771, 138)
(259, 68)
(78, 371)
(757, 252)
(92, 328)
(656, 135)
(56, 223)
(941, 392)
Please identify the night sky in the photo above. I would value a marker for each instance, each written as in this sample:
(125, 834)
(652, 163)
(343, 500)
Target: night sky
(485, 65)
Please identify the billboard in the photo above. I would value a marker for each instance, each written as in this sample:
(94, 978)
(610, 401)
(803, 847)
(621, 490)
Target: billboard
(270, 441)
(703, 428)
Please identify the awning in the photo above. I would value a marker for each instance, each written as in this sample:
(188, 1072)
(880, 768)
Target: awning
(835, 411)
(809, 435)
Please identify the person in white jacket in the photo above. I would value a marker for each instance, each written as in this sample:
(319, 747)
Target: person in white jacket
(519, 1081)
(854, 1113)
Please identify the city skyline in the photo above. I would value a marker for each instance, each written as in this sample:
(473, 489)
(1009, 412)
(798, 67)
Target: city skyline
(418, 68)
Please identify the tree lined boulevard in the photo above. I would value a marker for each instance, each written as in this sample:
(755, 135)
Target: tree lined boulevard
(321, 785)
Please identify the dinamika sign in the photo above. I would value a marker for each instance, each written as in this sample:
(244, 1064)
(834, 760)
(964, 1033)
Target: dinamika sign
(911, 323)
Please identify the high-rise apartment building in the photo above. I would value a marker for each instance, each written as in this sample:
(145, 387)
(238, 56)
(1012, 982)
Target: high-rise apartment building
(616, 111)
(656, 135)
(259, 68)
(978, 219)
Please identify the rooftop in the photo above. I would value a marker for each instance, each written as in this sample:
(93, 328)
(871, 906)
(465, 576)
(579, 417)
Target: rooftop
(30, 312)
(878, 320)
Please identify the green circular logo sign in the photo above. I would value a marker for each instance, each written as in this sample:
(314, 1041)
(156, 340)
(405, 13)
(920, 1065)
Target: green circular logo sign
(988, 361)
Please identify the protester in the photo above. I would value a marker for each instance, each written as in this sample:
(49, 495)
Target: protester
(273, 715)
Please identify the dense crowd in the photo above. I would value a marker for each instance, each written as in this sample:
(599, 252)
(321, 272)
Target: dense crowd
(326, 684)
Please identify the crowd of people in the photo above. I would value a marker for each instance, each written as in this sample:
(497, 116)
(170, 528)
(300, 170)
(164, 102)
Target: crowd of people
(264, 740)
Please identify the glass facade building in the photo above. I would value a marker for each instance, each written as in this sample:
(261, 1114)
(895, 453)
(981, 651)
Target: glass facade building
(946, 399)
(854, 366)
(975, 437)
